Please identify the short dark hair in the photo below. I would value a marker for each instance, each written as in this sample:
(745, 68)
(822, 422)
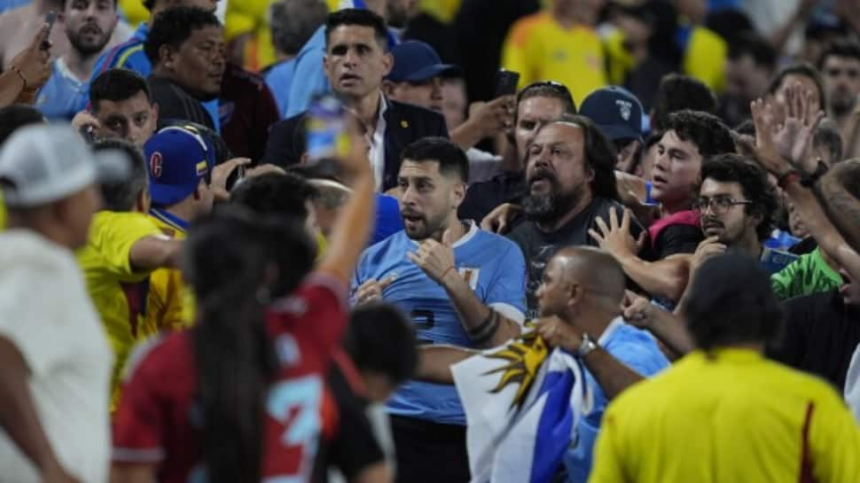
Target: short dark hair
(551, 89)
(827, 136)
(294, 22)
(174, 26)
(122, 195)
(721, 312)
(600, 155)
(360, 17)
(679, 92)
(16, 116)
(747, 128)
(840, 48)
(450, 157)
(734, 168)
(381, 339)
(117, 85)
(751, 44)
(275, 194)
(706, 131)
(804, 69)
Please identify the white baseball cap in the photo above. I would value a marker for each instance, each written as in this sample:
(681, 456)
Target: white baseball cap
(41, 164)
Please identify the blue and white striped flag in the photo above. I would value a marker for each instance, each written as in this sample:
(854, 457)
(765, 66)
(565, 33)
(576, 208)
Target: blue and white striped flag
(522, 404)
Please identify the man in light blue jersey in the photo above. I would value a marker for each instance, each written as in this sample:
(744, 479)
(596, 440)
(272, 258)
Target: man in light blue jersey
(309, 61)
(461, 286)
(89, 25)
(130, 55)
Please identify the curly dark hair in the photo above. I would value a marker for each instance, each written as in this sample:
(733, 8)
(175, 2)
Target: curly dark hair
(173, 27)
(734, 168)
(706, 131)
(678, 92)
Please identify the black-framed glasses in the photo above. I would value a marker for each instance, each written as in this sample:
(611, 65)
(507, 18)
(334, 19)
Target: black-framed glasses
(719, 205)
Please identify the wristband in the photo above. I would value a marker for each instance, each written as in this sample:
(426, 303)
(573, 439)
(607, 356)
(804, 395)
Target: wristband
(21, 75)
(809, 180)
(787, 178)
(445, 273)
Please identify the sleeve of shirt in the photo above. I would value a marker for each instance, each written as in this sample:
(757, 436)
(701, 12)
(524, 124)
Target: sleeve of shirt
(782, 281)
(507, 292)
(677, 239)
(138, 425)
(309, 80)
(607, 466)
(116, 240)
(832, 422)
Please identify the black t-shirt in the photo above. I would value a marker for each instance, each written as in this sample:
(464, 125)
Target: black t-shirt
(176, 104)
(675, 239)
(354, 448)
(538, 247)
(820, 336)
(484, 197)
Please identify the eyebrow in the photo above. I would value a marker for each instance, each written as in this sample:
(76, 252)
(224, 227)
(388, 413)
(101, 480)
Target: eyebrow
(677, 152)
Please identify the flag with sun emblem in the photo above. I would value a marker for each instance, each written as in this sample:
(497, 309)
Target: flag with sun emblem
(522, 402)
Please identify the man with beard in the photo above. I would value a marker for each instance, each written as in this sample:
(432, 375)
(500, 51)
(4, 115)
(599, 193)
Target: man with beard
(186, 48)
(417, 78)
(89, 25)
(570, 179)
(309, 69)
(840, 71)
(459, 284)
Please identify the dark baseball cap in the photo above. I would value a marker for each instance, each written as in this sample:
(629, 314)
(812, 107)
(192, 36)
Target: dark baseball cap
(415, 61)
(616, 111)
(179, 157)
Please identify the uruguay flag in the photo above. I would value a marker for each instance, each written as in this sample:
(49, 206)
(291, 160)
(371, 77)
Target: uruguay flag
(522, 404)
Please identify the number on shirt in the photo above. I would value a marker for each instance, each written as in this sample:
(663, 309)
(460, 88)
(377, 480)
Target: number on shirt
(296, 404)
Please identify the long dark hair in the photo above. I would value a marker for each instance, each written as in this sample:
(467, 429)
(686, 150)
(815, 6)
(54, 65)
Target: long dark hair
(235, 262)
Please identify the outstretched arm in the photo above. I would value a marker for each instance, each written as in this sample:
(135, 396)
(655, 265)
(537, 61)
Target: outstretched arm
(435, 361)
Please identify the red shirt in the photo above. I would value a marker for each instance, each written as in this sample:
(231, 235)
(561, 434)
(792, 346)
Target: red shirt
(158, 420)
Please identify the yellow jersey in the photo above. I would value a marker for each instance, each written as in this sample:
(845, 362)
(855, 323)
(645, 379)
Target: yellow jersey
(539, 48)
(119, 293)
(169, 306)
(727, 416)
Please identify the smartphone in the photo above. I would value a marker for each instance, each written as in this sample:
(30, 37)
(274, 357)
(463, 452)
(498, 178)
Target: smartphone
(50, 18)
(506, 82)
(327, 136)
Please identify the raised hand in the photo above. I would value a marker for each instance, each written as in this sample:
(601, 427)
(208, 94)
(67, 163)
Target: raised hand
(33, 64)
(558, 333)
(499, 220)
(616, 238)
(434, 258)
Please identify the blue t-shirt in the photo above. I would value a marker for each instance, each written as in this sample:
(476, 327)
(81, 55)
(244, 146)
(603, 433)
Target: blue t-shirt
(496, 271)
(63, 95)
(130, 55)
(279, 79)
(636, 349)
(388, 220)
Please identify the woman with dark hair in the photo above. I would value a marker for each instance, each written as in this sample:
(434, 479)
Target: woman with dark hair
(239, 397)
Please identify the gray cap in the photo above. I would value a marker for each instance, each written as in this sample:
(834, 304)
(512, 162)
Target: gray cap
(41, 164)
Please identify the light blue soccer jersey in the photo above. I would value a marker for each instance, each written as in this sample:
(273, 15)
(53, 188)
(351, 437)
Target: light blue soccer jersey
(63, 96)
(495, 269)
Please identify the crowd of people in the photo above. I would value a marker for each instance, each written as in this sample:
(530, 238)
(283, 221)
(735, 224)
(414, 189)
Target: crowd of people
(669, 197)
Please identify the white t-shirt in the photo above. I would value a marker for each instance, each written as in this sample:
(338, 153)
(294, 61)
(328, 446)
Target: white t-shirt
(852, 385)
(46, 313)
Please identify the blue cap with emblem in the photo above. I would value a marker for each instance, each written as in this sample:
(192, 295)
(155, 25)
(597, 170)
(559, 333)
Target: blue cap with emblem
(416, 61)
(616, 111)
(177, 159)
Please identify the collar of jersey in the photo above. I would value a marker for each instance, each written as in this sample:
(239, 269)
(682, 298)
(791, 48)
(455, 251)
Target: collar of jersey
(473, 228)
(170, 219)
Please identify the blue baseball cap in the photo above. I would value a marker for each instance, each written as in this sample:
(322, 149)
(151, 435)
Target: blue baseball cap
(416, 61)
(617, 111)
(177, 159)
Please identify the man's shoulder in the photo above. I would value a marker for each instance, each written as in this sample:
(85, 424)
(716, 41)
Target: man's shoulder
(412, 112)
(396, 243)
(500, 244)
(523, 232)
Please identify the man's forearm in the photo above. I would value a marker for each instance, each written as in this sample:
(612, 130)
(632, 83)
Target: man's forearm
(669, 329)
(467, 135)
(18, 417)
(843, 209)
(11, 86)
(153, 252)
(485, 326)
(664, 278)
(612, 375)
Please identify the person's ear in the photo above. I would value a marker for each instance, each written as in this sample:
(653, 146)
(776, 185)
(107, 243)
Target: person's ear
(459, 193)
(387, 63)
(166, 56)
(388, 88)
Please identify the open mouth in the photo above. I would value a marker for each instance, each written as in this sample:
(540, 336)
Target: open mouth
(659, 180)
(92, 30)
(349, 78)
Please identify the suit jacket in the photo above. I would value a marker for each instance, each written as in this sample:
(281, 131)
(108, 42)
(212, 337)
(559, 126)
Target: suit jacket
(404, 124)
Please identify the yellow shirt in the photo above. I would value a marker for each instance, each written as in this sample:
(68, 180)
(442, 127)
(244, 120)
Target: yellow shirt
(169, 306)
(117, 291)
(735, 418)
(541, 49)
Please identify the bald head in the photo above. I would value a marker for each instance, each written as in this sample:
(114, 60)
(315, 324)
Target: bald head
(594, 269)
